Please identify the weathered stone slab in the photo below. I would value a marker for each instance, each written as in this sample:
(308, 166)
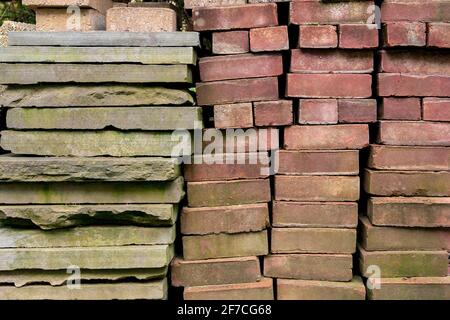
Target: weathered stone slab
(92, 236)
(142, 19)
(288, 289)
(125, 257)
(399, 264)
(154, 290)
(92, 95)
(105, 39)
(424, 288)
(52, 169)
(93, 73)
(92, 192)
(61, 216)
(261, 290)
(409, 212)
(20, 278)
(225, 245)
(131, 118)
(373, 238)
(61, 19)
(325, 267)
(215, 271)
(156, 55)
(100, 5)
(95, 143)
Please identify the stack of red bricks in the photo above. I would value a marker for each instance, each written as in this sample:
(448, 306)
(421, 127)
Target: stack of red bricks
(406, 235)
(317, 188)
(225, 224)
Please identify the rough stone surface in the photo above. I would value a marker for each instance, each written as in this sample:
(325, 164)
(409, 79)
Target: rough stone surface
(60, 19)
(317, 36)
(99, 5)
(313, 240)
(402, 33)
(439, 35)
(12, 26)
(124, 118)
(324, 267)
(19, 73)
(91, 192)
(236, 115)
(214, 271)
(154, 290)
(189, 4)
(92, 95)
(269, 39)
(61, 216)
(225, 245)
(227, 219)
(261, 290)
(96, 143)
(53, 169)
(125, 257)
(141, 19)
(288, 289)
(230, 42)
(273, 113)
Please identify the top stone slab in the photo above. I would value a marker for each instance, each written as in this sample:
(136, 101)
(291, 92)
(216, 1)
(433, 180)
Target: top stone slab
(99, 5)
(105, 39)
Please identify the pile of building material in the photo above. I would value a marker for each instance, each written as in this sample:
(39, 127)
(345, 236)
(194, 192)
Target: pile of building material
(406, 235)
(91, 190)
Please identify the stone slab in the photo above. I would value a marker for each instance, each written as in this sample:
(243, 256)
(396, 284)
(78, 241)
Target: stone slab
(84, 95)
(69, 19)
(105, 39)
(96, 143)
(288, 289)
(261, 290)
(20, 278)
(49, 217)
(154, 290)
(215, 271)
(19, 73)
(92, 192)
(141, 19)
(324, 267)
(125, 257)
(90, 236)
(100, 5)
(123, 118)
(149, 55)
(57, 169)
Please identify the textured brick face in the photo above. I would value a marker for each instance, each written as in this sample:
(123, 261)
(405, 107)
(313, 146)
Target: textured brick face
(269, 39)
(320, 36)
(230, 42)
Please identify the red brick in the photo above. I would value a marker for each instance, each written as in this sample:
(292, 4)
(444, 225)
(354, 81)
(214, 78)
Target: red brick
(315, 214)
(409, 158)
(345, 162)
(373, 238)
(226, 193)
(230, 42)
(407, 183)
(400, 109)
(417, 62)
(313, 240)
(228, 219)
(414, 133)
(240, 66)
(357, 110)
(404, 85)
(235, 17)
(315, 12)
(357, 36)
(424, 212)
(269, 39)
(273, 113)
(435, 109)
(190, 4)
(214, 271)
(404, 34)
(229, 166)
(225, 245)
(439, 35)
(325, 267)
(329, 85)
(343, 136)
(331, 61)
(317, 188)
(320, 36)
(238, 115)
(288, 289)
(318, 111)
(427, 11)
(233, 91)
(261, 290)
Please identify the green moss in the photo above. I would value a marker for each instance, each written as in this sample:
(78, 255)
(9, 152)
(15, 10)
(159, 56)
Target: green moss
(16, 11)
